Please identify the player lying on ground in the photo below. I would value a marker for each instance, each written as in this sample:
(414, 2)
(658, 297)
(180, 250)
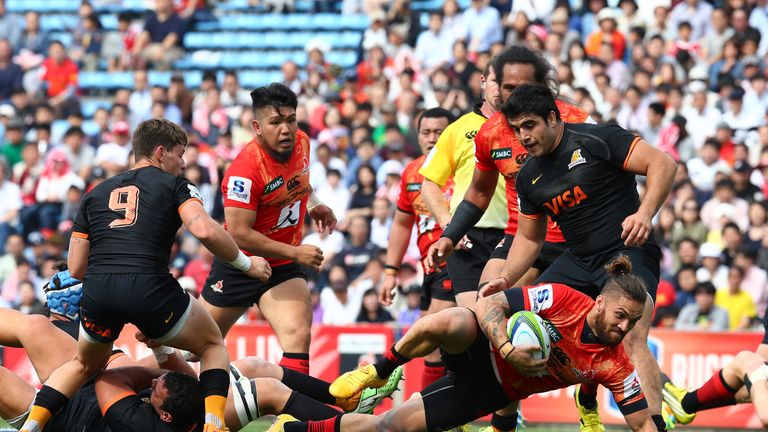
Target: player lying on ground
(586, 340)
(112, 400)
(742, 380)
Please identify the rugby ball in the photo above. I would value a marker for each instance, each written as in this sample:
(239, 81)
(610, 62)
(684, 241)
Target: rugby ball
(527, 328)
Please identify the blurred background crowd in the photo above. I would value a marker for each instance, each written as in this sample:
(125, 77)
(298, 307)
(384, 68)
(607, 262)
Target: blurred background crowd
(688, 76)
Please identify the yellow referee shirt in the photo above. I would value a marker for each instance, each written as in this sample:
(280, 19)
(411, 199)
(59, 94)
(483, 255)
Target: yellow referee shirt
(454, 156)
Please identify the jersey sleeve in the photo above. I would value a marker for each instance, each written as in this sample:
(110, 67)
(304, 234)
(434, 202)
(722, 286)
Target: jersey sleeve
(482, 152)
(80, 226)
(547, 300)
(239, 187)
(624, 383)
(616, 146)
(404, 203)
(439, 164)
(130, 414)
(185, 193)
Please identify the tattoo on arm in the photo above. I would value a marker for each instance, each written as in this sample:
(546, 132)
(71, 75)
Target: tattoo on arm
(193, 220)
(493, 323)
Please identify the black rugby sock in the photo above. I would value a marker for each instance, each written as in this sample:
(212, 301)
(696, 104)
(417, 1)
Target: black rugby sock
(308, 385)
(305, 408)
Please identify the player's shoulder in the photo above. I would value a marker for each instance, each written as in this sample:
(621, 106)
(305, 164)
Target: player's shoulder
(598, 132)
(414, 165)
(493, 126)
(571, 113)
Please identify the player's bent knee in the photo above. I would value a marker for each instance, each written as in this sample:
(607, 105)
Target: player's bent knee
(273, 395)
(35, 325)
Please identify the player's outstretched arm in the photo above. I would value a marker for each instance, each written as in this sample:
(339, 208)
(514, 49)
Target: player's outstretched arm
(240, 225)
(660, 171)
(399, 237)
(640, 421)
(523, 252)
(216, 239)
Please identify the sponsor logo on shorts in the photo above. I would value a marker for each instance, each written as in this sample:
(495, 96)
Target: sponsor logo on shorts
(293, 183)
(554, 334)
(502, 153)
(540, 297)
(576, 159)
(94, 328)
(218, 286)
(273, 185)
(239, 189)
(413, 187)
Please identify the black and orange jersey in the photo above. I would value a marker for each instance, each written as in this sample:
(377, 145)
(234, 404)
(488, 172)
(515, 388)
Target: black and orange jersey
(576, 355)
(131, 220)
(411, 202)
(276, 191)
(132, 413)
(498, 150)
(583, 185)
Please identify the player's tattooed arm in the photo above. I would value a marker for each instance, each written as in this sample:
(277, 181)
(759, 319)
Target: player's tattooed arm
(492, 313)
(192, 221)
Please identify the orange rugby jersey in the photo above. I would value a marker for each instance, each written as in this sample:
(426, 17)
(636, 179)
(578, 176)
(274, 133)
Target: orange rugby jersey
(410, 201)
(571, 360)
(277, 192)
(497, 150)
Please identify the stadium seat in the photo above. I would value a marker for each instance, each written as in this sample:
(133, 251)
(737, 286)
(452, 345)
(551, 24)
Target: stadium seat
(105, 80)
(43, 6)
(89, 106)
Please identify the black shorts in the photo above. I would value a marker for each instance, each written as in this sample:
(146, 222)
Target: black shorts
(548, 255)
(155, 303)
(469, 391)
(227, 286)
(81, 413)
(465, 267)
(69, 327)
(587, 275)
(436, 285)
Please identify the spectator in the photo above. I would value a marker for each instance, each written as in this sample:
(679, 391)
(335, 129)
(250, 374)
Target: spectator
(10, 29)
(324, 160)
(758, 225)
(755, 280)
(33, 38)
(703, 314)
(655, 117)
(117, 46)
(724, 202)
(14, 251)
(55, 181)
(233, 97)
(140, 102)
(112, 157)
(199, 267)
(705, 167)
(688, 224)
(485, 29)
(331, 244)
(738, 116)
(10, 72)
(181, 97)
(381, 222)
(712, 269)
(291, 76)
(10, 205)
(675, 141)
(700, 116)
(28, 302)
(81, 156)
(171, 111)
(359, 252)
(633, 114)
(433, 47)
(210, 117)
(685, 285)
(60, 79)
(742, 184)
(26, 174)
(372, 311)
(86, 47)
(607, 33)
(341, 300)
(70, 209)
(318, 312)
(412, 310)
(729, 66)
(697, 12)
(718, 32)
(161, 41)
(335, 193)
(14, 142)
(737, 302)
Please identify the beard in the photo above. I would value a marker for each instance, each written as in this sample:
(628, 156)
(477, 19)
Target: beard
(605, 333)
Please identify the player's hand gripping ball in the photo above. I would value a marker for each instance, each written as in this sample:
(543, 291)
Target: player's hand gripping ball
(63, 293)
(527, 328)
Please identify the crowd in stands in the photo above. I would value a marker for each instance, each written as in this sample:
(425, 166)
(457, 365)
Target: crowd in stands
(689, 76)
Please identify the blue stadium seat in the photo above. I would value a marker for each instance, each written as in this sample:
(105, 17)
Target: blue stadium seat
(233, 5)
(90, 127)
(43, 6)
(89, 107)
(105, 80)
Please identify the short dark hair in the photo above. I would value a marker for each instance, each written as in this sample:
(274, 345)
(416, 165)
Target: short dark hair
(543, 72)
(687, 267)
(276, 95)
(657, 107)
(705, 287)
(185, 401)
(74, 130)
(532, 98)
(435, 113)
(623, 281)
(156, 132)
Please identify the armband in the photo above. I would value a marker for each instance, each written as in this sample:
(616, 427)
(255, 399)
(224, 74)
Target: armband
(464, 218)
(313, 201)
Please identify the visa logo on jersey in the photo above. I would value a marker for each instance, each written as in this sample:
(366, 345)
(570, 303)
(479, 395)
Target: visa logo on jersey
(502, 153)
(567, 199)
(239, 189)
(273, 185)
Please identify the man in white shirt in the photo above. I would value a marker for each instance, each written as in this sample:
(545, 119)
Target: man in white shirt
(433, 47)
(10, 204)
(80, 154)
(341, 301)
(702, 169)
(112, 157)
(702, 118)
(140, 102)
(484, 26)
